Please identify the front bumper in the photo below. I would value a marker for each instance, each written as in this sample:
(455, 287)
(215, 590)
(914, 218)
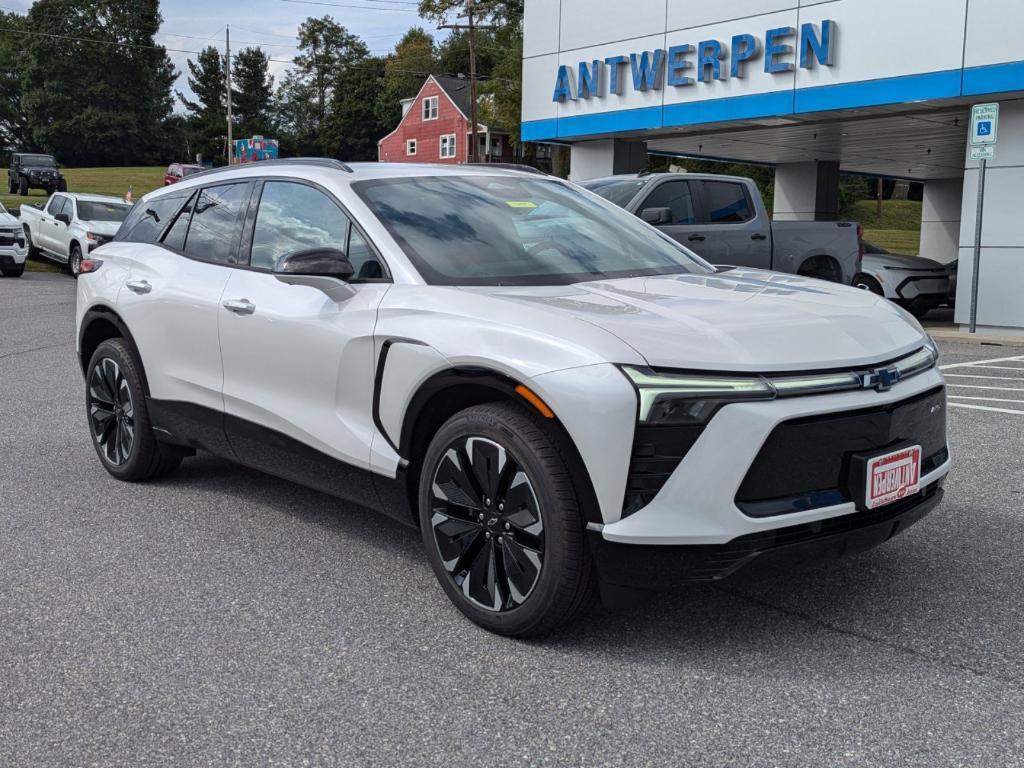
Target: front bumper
(12, 257)
(658, 567)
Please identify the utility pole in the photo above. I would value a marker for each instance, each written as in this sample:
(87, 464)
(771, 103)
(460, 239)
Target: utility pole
(227, 60)
(471, 27)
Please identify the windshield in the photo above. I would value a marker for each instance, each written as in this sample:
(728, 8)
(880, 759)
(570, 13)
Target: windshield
(92, 211)
(618, 191)
(44, 161)
(498, 230)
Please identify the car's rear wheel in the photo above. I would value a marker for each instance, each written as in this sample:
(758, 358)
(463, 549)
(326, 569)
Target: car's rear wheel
(118, 419)
(23, 187)
(502, 524)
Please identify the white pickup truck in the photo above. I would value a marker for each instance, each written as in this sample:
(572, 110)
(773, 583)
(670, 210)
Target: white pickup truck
(12, 245)
(71, 225)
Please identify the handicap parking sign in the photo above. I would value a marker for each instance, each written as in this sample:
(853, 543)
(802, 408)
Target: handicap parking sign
(985, 128)
(984, 124)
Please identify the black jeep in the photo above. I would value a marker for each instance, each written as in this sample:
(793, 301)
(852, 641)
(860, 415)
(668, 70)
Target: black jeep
(31, 171)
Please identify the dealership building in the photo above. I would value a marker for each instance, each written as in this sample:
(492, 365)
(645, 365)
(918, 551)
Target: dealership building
(879, 87)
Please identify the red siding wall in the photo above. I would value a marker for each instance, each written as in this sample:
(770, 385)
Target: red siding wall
(427, 133)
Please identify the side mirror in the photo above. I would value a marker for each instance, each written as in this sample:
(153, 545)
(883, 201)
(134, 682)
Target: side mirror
(326, 269)
(63, 218)
(656, 215)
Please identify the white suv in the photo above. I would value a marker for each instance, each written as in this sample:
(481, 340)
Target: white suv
(562, 399)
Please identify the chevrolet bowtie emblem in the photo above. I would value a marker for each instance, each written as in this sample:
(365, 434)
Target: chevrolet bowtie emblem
(881, 379)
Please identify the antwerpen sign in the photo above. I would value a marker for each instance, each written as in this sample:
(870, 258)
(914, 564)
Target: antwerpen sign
(708, 61)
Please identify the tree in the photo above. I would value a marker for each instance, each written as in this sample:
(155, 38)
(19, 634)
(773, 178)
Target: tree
(207, 114)
(351, 129)
(325, 47)
(252, 87)
(97, 89)
(404, 73)
(13, 127)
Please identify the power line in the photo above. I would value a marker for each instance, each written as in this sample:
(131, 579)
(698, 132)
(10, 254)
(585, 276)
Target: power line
(359, 7)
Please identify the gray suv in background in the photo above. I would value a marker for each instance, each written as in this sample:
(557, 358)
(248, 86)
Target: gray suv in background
(723, 219)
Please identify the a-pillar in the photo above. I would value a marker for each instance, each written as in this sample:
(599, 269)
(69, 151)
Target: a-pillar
(807, 191)
(594, 159)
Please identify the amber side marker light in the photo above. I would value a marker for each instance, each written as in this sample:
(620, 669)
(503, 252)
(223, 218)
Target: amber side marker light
(532, 398)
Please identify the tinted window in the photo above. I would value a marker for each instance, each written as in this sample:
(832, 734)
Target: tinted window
(364, 261)
(38, 161)
(56, 205)
(216, 225)
(149, 218)
(502, 230)
(727, 202)
(91, 211)
(618, 191)
(175, 237)
(295, 217)
(675, 195)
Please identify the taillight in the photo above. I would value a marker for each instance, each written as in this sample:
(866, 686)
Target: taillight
(89, 265)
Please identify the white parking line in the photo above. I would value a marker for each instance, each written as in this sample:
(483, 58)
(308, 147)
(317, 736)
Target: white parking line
(988, 399)
(985, 408)
(975, 376)
(977, 363)
(982, 386)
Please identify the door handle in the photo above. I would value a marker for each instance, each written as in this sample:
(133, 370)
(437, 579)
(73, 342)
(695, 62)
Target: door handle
(240, 306)
(759, 237)
(696, 238)
(139, 286)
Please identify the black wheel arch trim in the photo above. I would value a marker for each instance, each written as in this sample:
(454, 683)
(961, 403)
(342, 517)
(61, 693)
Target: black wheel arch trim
(104, 313)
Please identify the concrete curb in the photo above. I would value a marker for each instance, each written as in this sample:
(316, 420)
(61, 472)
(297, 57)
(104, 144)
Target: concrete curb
(961, 337)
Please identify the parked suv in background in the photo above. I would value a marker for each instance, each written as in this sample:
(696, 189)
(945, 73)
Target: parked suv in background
(723, 219)
(915, 283)
(178, 171)
(560, 398)
(12, 245)
(33, 171)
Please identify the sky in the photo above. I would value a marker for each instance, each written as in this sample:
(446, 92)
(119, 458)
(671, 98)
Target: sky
(191, 25)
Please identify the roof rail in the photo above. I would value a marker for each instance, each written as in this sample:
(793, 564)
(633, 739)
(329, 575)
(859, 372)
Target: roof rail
(320, 162)
(512, 167)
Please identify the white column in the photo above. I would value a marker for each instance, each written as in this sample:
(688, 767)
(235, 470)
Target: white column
(607, 157)
(940, 219)
(806, 191)
(1001, 277)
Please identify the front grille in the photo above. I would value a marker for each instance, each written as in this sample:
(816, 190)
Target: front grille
(657, 452)
(804, 463)
(8, 238)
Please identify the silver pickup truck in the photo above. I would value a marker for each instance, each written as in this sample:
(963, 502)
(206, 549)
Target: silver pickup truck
(723, 219)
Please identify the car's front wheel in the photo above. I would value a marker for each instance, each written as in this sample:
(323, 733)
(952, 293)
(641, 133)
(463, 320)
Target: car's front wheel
(16, 271)
(118, 418)
(502, 523)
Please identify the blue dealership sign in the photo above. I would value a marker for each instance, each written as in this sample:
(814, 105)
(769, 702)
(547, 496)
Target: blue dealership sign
(708, 61)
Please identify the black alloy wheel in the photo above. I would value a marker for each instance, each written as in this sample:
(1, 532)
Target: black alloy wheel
(111, 412)
(501, 519)
(868, 283)
(487, 524)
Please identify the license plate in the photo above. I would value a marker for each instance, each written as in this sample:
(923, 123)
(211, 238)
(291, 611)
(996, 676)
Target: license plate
(893, 476)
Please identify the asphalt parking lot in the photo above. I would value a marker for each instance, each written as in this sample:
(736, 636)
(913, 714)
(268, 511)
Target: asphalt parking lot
(223, 617)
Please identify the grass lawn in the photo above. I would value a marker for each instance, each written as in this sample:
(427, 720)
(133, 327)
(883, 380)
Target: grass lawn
(907, 242)
(98, 181)
(896, 214)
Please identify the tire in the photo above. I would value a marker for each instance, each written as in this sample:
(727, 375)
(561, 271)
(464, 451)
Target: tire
(15, 271)
(868, 283)
(75, 260)
(12, 186)
(544, 576)
(33, 252)
(114, 393)
(23, 186)
(62, 185)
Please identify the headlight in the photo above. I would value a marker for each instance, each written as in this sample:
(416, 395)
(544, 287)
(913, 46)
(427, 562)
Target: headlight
(673, 399)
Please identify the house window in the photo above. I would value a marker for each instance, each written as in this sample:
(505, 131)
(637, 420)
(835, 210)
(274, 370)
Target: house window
(448, 146)
(430, 108)
(410, 146)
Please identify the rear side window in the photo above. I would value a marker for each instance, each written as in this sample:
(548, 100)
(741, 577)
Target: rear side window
(727, 202)
(675, 195)
(216, 225)
(149, 218)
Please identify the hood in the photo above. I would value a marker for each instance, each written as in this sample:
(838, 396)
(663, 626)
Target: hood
(882, 260)
(108, 228)
(7, 220)
(740, 320)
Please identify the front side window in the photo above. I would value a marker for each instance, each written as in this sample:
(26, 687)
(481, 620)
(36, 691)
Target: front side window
(295, 217)
(430, 108)
(410, 147)
(727, 202)
(675, 195)
(216, 225)
(149, 218)
(496, 230)
(448, 146)
(57, 203)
